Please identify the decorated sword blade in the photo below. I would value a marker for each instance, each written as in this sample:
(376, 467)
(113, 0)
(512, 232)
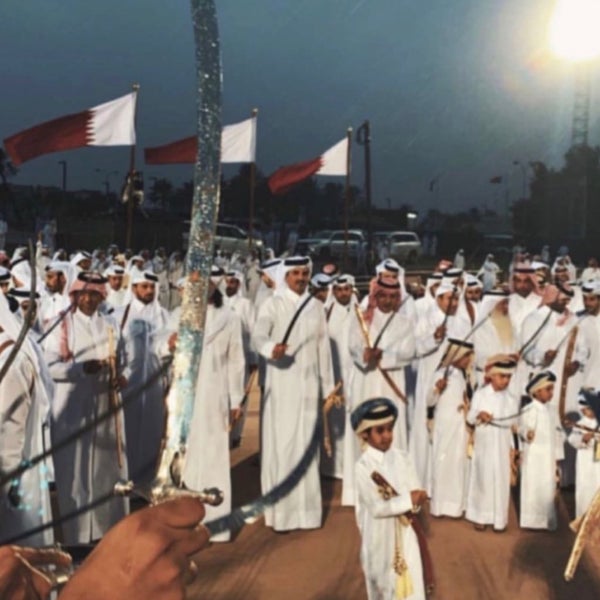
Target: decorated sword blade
(180, 402)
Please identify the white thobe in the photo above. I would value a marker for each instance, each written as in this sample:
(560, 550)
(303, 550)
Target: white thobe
(338, 321)
(116, 298)
(244, 309)
(449, 460)
(430, 352)
(49, 308)
(398, 348)
(294, 389)
(375, 517)
(219, 388)
(587, 482)
(22, 416)
(145, 332)
(88, 468)
(538, 467)
(489, 483)
(549, 338)
(519, 309)
(589, 327)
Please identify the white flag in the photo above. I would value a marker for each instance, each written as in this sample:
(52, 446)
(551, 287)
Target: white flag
(238, 142)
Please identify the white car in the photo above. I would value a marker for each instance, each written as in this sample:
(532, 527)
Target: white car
(404, 246)
(334, 246)
(231, 239)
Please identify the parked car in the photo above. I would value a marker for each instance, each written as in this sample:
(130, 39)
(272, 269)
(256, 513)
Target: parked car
(230, 239)
(306, 246)
(333, 248)
(404, 246)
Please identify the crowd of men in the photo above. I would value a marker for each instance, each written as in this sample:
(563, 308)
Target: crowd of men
(460, 357)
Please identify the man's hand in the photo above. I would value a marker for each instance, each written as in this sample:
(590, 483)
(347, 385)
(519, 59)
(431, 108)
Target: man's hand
(172, 342)
(572, 368)
(372, 356)
(484, 417)
(530, 435)
(235, 415)
(278, 351)
(146, 555)
(91, 367)
(418, 497)
(440, 333)
(586, 437)
(20, 574)
(440, 385)
(549, 357)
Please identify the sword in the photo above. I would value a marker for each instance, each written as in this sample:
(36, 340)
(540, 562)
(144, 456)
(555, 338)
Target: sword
(288, 331)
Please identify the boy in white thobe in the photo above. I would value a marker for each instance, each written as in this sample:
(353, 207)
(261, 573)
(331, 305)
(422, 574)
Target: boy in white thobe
(538, 467)
(585, 438)
(389, 551)
(491, 411)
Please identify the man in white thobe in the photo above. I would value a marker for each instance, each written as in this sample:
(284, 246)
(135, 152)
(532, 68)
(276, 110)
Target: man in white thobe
(589, 326)
(431, 335)
(219, 391)
(145, 328)
(24, 405)
(379, 352)
(235, 300)
(552, 340)
(88, 468)
(116, 292)
(299, 376)
(339, 314)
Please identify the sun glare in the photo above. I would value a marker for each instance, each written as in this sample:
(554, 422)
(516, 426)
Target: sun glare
(574, 30)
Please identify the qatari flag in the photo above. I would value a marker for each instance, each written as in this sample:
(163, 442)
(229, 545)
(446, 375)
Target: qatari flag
(108, 124)
(238, 145)
(333, 162)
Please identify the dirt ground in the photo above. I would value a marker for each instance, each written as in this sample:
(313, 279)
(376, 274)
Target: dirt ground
(323, 564)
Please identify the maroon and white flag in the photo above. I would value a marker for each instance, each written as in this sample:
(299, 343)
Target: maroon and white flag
(238, 145)
(108, 124)
(333, 162)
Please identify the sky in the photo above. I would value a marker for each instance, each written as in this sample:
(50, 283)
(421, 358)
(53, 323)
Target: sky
(455, 90)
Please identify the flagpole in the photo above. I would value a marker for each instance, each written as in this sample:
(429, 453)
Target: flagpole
(252, 191)
(130, 200)
(347, 199)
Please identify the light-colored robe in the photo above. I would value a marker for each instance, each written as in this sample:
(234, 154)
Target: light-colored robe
(430, 353)
(538, 467)
(23, 412)
(88, 468)
(294, 390)
(375, 517)
(219, 388)
(338, 322)
(449, 460)
(398, 349)
(244, 309)
(587, 482)
(489, 484)
(145, 331)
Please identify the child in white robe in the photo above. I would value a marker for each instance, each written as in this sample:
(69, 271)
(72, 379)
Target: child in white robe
(538, 466)
(449, 401)
(585, 438)
(389, 553)
(491, 413)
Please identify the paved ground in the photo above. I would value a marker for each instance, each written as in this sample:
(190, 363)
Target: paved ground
(323, 564)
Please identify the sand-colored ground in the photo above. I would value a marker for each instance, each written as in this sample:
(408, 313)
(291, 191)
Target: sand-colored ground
(323, 564)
